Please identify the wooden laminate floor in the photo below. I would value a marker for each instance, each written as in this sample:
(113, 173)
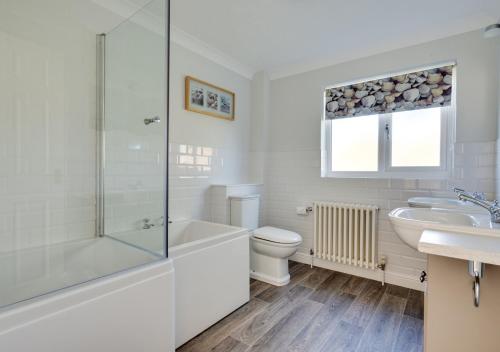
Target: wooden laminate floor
(320, 310)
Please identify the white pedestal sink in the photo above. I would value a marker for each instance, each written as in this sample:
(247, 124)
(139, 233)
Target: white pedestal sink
(445, 203)
(454, 233)
(409, 223)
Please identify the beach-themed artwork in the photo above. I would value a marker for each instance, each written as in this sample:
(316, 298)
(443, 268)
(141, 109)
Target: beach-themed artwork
(208, 99)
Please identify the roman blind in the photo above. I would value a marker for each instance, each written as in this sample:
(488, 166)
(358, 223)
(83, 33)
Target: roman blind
(416, 90)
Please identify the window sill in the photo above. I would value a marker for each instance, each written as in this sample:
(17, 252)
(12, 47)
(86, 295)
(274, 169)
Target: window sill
(413, 175)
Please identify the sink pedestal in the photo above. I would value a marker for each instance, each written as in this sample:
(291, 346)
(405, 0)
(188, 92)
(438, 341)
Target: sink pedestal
(452, 322)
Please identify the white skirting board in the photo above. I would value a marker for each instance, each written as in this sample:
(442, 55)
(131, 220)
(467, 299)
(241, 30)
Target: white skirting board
(391, 278)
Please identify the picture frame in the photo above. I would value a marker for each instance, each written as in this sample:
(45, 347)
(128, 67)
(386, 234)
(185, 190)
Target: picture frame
(208, 99)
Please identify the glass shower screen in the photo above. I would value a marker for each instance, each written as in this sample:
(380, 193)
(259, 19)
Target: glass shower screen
(82, 182)
(133, 142)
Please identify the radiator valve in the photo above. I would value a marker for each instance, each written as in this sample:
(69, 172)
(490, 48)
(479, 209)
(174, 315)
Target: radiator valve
(382, 262)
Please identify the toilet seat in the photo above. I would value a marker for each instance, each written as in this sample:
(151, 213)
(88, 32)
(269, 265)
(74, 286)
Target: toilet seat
(277, 235)
(274, 244)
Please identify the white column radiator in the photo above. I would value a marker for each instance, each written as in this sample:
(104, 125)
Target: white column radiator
(346, 233)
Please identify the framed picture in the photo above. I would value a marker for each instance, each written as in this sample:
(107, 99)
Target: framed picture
(205, 98)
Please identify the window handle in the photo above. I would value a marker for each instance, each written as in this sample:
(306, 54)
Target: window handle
(387, 131)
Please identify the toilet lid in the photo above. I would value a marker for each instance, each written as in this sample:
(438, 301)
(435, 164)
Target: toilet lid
(274, 234)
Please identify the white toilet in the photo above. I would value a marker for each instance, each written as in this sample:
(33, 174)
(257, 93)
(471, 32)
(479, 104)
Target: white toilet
(270, 247)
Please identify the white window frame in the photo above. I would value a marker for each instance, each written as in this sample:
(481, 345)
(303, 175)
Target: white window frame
(385, 170)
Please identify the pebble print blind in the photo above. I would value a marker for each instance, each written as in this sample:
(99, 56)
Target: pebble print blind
(417, 90)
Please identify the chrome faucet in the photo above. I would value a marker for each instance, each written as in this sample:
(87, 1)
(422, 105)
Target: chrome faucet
(492, 207)
(458, 191)
(479, 195)
(476, 195)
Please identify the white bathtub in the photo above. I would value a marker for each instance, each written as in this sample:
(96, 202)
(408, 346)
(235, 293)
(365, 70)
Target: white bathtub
(32, 272)
(100, 315)
(211, 263)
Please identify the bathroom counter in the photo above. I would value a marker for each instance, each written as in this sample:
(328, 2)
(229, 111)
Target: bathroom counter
(485, 249)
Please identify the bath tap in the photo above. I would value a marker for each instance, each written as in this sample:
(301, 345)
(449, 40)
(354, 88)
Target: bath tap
(492, 207)
(147, 224)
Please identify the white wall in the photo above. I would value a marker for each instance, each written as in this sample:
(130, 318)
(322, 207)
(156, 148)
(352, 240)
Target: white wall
(498, 130)
(293, 158)
(276, 139)
(48, 120)
(259, 132)
(204, 150)
(220, 200)
(47, 126)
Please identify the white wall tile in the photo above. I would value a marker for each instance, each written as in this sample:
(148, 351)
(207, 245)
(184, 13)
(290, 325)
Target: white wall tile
(295, 131)
(204, 150)
(288, 186)
(47, 134)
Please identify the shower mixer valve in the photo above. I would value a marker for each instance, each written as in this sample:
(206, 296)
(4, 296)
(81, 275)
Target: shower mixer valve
(151, 120)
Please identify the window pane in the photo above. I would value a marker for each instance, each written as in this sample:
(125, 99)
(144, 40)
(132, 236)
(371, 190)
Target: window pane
(355, 144)
(416, 138)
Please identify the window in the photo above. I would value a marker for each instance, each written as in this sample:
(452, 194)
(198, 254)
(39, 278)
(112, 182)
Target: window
(415, 138)
(400, 144)
(354, 145)
(397, 125)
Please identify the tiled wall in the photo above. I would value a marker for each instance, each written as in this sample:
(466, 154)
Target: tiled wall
(193, 170)
(293, 179)
(47, 133)
(220, 203)
(497, 163)
(134, 169)
(293, 165)
(48, 124)
(134, 180)
(204, 150)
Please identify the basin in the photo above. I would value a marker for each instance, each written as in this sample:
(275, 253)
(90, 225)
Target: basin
(445, 203)
(409, 223)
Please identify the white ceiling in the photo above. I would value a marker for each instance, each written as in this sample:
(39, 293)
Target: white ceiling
(290, 36)
(280, 36)
(99, 16)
